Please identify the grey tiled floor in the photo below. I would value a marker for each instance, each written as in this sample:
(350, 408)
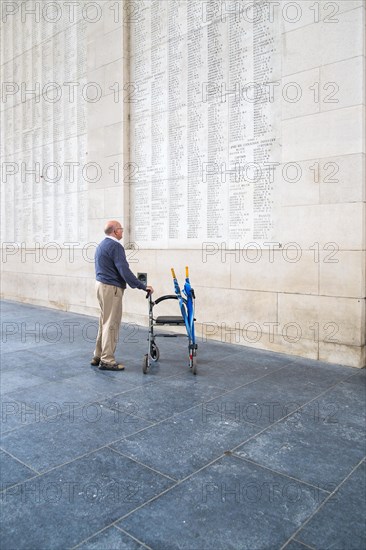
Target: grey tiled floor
(259, 451)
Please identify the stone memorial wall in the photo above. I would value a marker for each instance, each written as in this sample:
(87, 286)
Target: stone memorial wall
(44, 134)
(227, 135)
(206, 124)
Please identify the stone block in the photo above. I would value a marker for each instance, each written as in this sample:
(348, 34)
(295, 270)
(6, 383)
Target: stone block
(236, 306)
(214, 272)
(116, 76)
(95, 142)
(343, 273)
(63, 291)
(78, 262)
(326, 42)
(276, 271)
(342, 84)
(323, 224)
(341, 179)
(352, 356)
(321, 318)
(109, 47)
(296, 183)
(298, 97)
(93, 14)
(113, 203)
(328, 134)
(98, 77)
(113, 136)
(95, 203)
(104, 113)
(11, 285)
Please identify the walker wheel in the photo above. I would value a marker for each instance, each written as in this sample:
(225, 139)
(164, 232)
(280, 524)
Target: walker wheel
(145, 364)
(194, 364)
(154, 352)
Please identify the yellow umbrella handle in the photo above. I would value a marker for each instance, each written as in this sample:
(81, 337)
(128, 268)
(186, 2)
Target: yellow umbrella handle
(173, 273)
(187, 272)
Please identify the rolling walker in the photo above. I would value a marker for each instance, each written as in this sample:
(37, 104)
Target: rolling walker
(186, 304)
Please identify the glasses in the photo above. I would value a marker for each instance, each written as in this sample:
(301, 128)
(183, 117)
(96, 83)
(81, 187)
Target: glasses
(119, 229)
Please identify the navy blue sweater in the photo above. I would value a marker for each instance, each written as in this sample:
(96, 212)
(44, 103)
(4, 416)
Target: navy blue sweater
(111, 266)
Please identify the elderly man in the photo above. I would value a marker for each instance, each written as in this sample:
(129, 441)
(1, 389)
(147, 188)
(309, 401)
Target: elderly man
(112, 273)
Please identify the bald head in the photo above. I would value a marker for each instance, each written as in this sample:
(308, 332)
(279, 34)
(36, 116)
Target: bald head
(113, 228)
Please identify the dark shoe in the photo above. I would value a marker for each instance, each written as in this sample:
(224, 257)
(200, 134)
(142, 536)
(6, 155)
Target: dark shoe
(95, 361)
(110, 366)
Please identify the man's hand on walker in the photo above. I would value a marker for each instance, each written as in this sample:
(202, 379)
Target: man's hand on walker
(149, 289)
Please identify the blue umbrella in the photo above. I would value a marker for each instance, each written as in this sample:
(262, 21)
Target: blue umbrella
(186, 304)
(189, 292)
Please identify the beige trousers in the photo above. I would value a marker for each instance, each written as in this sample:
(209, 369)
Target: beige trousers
(110, 302)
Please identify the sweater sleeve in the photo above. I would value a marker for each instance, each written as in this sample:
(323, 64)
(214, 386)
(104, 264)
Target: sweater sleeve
(121, 264)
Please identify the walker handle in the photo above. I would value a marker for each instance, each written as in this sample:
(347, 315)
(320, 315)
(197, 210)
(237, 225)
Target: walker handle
(148, 294)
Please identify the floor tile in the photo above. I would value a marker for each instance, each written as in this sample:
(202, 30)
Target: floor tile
(323, 374)
(36, 364)
(160, 401)
(12, 471)
(181, 445)
(295, 545)
(357, 376)
(12, 381)
(172, 422)
(270, 398)
(104, 382)
(111, 539)
(56, 396)
(13, 416)
(219, 350)
(64, 507)
(29, 344)
(173, 357)
(11, 360)
(236, 370)
(317, 452)
(324, 367)
(345, 404)
(229, 505)
(48, 443)
(341, 521)
(135, 376)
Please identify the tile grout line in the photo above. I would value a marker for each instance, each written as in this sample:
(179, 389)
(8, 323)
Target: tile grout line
(147, 502)
(324, 65)
(196, 405)
(321, 113)
(225, 392)
(323, 22)
(277, 472)
(81, 406)
(268, 374)
(21, 462)
(105, 529)
(103, 397)
(322, 504)
(295, 411)
(302, 544)
(200, 404)
(193, 473)
(129, 534)
(179, 482)
(142, 464)
(47, 471)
